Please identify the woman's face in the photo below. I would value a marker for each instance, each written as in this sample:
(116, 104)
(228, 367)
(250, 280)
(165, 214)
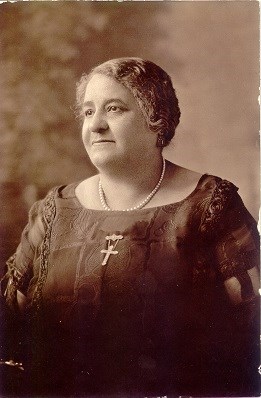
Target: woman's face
(114, 130)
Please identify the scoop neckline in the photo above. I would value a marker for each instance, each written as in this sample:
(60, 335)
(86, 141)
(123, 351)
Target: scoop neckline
(145, 209)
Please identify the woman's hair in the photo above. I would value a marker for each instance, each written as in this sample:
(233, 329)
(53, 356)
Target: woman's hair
(150, 85)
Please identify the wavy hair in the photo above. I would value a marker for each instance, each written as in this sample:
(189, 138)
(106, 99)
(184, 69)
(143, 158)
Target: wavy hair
(150, 85)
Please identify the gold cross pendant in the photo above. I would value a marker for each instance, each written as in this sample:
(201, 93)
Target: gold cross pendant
(111, 247)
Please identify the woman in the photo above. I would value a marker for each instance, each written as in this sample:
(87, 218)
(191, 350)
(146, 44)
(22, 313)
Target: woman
(141, 280)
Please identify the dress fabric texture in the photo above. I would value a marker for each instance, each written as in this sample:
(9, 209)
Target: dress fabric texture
(155, 319)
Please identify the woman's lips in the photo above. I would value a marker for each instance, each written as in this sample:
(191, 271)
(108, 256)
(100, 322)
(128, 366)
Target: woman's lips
(101, 142)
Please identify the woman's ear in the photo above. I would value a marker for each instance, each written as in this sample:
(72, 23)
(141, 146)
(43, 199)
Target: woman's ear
(161, 141)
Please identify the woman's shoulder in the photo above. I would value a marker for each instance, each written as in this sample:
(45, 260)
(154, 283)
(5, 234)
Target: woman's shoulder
(184, 183)
(62, 191)
(46, 207)
(65, 191)
(79, 193)
(215, 204)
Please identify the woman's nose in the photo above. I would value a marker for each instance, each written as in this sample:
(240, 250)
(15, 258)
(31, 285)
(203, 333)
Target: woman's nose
(98, 123)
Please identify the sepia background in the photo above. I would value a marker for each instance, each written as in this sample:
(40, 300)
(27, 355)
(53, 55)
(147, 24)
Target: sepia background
(211, 50)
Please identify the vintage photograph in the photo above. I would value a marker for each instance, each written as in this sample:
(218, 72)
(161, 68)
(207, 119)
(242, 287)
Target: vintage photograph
(129, 180)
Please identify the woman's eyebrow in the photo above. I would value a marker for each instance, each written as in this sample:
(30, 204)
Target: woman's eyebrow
(108, 101)
(114, 100)
(87, 103)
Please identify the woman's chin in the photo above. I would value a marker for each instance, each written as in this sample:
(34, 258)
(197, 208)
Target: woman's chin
(103, 159)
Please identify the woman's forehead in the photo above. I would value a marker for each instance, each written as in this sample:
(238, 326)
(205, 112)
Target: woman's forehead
(105, 87)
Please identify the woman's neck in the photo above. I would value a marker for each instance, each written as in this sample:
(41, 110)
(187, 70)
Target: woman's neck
(125, 188)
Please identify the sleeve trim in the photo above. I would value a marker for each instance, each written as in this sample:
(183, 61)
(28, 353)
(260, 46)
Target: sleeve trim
(49, 212)
(219, 201)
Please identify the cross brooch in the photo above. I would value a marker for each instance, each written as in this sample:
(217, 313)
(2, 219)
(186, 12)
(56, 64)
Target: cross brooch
(111, 247)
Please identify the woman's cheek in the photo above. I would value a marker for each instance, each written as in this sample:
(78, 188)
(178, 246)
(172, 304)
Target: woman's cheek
(85, 132)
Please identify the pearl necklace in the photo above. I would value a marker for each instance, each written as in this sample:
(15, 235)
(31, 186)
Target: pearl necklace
(141, 204)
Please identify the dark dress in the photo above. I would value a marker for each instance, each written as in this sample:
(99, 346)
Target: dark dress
(155, 319)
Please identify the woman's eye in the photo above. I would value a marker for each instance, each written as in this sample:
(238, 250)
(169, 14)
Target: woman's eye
(114, 108)
(88, 112)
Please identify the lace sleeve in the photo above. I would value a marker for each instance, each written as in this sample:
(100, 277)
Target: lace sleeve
(234, 242)
(20, 265)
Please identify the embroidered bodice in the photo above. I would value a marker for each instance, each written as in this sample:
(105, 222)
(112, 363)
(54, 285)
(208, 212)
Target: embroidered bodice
(137, 297)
